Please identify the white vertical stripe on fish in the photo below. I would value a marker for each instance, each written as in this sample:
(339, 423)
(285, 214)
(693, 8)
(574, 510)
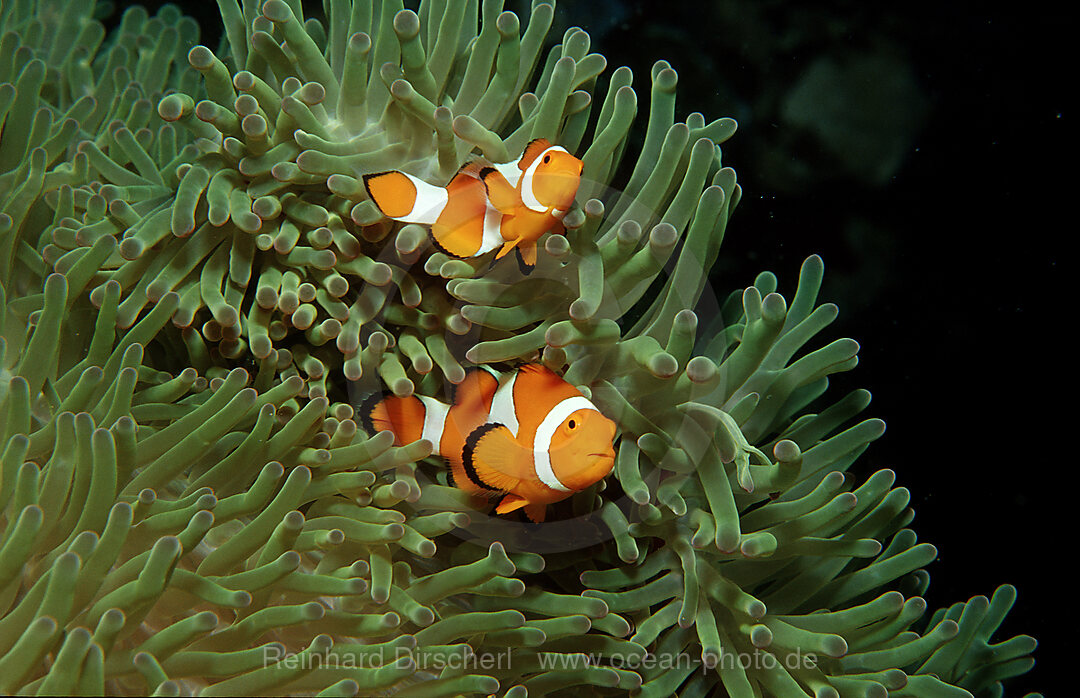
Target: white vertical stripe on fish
(434, 421)
(511, 171)
(542, 442)
(429, 204)
(527, 196)
(493, 238)
(502, 406)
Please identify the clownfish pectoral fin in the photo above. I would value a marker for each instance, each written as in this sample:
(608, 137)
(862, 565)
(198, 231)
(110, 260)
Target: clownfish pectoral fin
(509, 503)
(526, 257)
(405, 198)
(494, 459)
(536, 512)
(500, 193)
(462, 479)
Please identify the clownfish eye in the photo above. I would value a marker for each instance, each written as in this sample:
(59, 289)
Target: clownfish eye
(571, 424)
(547, 159)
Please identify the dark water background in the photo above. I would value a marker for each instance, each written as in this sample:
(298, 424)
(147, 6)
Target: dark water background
(920, 148)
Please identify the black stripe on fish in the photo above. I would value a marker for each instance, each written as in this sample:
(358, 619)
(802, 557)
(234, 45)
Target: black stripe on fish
(467, 455)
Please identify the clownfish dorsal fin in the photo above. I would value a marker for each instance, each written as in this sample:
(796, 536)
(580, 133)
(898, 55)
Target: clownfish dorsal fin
(472, 167)
(500, 193)
(532, 151)
(495, 458)
(539, 368)
(476, 390)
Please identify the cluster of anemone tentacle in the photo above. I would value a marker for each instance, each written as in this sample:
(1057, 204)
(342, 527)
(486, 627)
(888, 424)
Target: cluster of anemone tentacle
(192, 277)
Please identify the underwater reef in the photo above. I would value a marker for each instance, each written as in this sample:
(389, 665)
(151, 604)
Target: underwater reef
(197, 293)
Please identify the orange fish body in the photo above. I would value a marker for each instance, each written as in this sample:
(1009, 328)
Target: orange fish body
(500, 207)
(528, 436)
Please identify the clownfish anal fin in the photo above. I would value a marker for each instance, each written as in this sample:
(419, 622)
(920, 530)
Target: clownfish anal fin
(526, 257)
(495, 459)
(532, 151)
(500, 193)
(536, 512)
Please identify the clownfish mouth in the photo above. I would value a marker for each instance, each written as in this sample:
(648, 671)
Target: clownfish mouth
(589, 469)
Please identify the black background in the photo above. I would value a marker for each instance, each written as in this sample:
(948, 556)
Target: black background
(947, 272)
(946, 263)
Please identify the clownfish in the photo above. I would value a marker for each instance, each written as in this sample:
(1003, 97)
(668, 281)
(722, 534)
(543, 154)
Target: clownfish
(486, 207)
(527, 436)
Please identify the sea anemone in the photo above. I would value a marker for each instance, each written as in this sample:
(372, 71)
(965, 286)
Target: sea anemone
(196, 288)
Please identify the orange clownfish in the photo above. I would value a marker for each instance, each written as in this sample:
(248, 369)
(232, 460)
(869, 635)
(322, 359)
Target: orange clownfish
(487, 207)
(527, 436)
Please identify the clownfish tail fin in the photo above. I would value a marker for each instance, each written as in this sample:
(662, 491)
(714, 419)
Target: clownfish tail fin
(403, 416)
(405, 198)
(372, 418)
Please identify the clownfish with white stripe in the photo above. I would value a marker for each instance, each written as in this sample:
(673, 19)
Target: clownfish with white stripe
(487, 207)
(528, 436)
